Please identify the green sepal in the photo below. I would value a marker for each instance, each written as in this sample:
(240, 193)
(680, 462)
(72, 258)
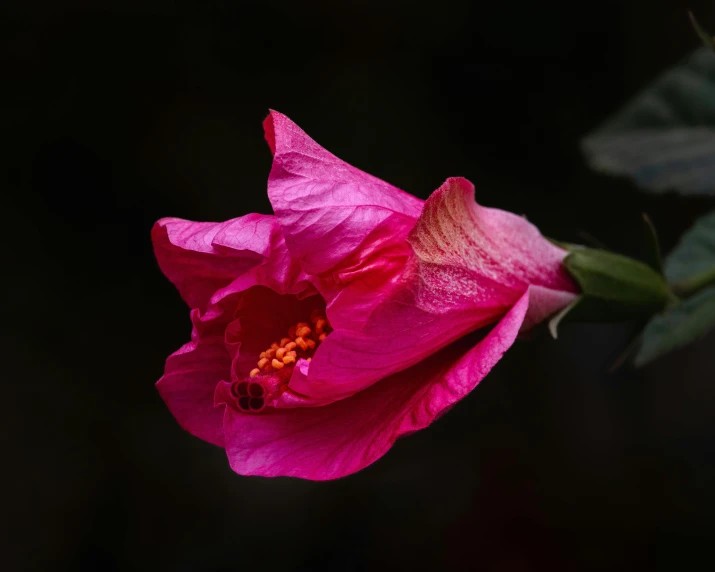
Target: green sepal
(653, 256)
(706, 38)
(615, 287)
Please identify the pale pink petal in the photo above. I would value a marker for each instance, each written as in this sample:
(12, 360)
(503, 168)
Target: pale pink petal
(333, 215)
(190, 379)
(493, 249)
(341, 438)
(202, 257)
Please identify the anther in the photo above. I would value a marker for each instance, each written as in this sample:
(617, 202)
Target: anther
(302, 338)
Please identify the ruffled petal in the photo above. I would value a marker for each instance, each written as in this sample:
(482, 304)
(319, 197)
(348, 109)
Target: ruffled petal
(192, 373)
(333, 215)
(190, 379)
(199, 258)
(336, 440)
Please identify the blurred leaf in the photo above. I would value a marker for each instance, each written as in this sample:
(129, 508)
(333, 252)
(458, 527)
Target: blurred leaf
(665, 137)
(695, 252)
(692, 266)
(678, 327)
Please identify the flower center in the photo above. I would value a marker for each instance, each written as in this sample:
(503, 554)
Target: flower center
(274, 366)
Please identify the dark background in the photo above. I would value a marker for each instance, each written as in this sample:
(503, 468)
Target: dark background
(119, 113)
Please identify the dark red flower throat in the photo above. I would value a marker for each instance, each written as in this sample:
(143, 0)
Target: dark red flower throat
(270, 336)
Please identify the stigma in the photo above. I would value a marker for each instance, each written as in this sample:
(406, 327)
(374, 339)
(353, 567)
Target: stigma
(270, 377)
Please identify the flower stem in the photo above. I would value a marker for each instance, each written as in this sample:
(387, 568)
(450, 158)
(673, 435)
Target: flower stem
(691, 286)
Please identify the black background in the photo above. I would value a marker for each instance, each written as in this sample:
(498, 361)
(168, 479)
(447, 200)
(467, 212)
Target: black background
(119, 113)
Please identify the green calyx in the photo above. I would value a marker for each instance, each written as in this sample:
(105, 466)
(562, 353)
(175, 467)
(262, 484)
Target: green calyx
(613, 288)
(629, 287)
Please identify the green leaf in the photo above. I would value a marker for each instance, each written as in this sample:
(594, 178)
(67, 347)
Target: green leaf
(678, 327)
(664, 139)
(691, 267)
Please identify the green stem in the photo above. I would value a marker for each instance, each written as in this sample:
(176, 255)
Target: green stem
(693, 285)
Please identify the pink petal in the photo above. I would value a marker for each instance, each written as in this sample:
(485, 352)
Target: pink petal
(332, 214)
(398, 334)
(471, 265)
(341, 438)
(495, 250)
(202, 257)
(190, 379)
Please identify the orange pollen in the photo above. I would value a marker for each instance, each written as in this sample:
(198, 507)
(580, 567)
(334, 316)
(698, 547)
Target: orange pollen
(301, 342)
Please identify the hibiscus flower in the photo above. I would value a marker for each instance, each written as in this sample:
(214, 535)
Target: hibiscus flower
(347, 318)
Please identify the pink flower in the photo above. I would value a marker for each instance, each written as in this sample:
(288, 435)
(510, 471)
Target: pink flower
(324, 332)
